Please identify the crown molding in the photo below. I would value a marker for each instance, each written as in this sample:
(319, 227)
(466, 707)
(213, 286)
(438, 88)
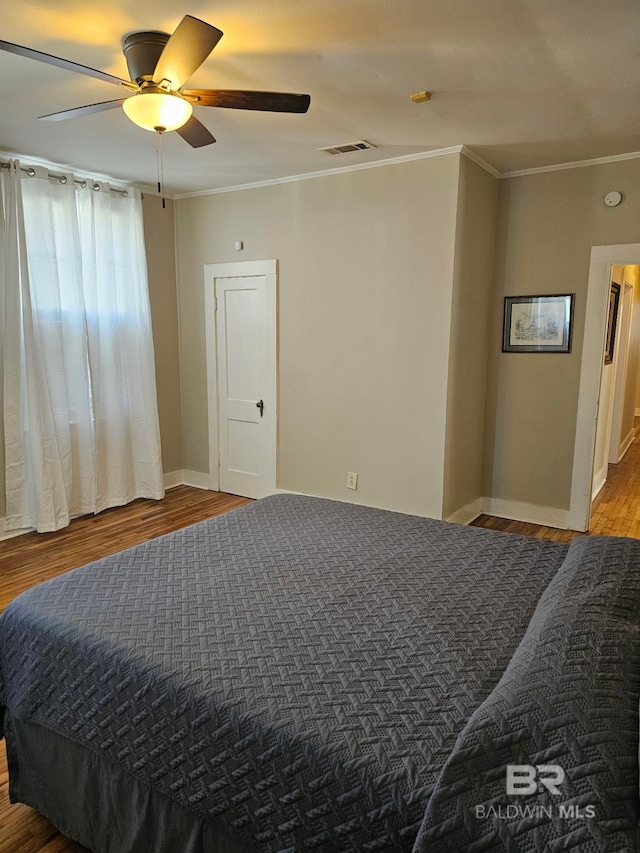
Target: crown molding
(389, 161)
(406, 158)
(466, 151)
(437, 152)
(470, 154)
(577, 164)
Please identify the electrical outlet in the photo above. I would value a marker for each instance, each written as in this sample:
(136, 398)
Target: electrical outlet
(352, 480)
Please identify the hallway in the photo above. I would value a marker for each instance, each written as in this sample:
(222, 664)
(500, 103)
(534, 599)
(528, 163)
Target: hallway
(615, 510)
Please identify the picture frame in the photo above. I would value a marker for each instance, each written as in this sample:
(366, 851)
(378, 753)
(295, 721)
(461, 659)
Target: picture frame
(538, 323)
(612, 322)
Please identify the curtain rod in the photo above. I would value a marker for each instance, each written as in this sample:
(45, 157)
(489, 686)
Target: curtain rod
(31, 172)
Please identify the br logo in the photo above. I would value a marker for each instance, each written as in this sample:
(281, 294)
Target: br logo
(523, 779)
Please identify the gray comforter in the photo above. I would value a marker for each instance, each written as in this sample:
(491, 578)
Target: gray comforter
(307, 675)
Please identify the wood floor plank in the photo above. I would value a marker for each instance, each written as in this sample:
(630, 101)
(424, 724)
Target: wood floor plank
(615, 510)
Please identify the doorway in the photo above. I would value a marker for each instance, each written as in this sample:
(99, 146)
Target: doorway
(241, 341)
(617, 400)
(603, 260)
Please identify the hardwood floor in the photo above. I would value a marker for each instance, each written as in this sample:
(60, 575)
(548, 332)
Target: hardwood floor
(32, 558)
(614, 512)
(35, 557)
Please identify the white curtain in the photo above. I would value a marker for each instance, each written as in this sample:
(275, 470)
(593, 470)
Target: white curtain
(80, 412)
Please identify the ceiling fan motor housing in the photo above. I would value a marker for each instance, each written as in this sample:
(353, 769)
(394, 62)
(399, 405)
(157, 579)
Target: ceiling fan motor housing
(142, 51)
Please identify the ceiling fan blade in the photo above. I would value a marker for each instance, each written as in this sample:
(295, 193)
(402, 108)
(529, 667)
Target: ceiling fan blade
(49, 59)
(238, 99)
(195, 133)
(77, 112)
(188, 47)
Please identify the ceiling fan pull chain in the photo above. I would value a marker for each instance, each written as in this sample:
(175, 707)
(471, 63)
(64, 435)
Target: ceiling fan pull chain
(160, 165)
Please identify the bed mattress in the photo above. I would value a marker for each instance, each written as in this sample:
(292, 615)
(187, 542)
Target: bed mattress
(296, 675)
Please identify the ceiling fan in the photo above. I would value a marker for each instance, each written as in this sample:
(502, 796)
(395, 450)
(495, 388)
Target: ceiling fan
(159, 65)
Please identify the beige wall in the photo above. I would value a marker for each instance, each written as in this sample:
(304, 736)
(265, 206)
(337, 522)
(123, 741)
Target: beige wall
(473, 271)
(365, 286)
(159, 234)
(3, 501)
(383, 276)
(547, 224)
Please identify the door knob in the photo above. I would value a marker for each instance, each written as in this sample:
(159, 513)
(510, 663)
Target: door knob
(260, 406)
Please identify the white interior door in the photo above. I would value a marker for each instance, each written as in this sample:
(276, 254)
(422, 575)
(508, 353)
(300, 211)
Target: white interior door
(609, 438)
(619, 440)
(243, 298)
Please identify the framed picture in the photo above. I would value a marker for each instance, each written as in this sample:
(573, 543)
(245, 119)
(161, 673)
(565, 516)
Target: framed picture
(612, 322)
(537, 323)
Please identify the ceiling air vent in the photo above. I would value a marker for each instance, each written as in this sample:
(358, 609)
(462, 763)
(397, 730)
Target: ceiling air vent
(348, 147)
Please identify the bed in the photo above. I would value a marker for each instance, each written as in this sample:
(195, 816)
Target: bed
(307, 675)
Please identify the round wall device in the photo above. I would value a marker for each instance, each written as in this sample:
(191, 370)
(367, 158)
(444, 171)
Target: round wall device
(613, 198)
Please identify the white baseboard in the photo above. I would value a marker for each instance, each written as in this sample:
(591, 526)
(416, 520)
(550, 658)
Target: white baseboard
(599, 479)
(186, 478)
(546, 516)
(468, 513)
(197, 479)
(173, 479)
(514, 510)
(626, 443)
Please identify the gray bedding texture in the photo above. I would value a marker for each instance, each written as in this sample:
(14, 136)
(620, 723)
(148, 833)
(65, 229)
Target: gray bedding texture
(306, 675)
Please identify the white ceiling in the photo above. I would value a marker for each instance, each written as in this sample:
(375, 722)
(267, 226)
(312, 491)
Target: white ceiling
(523, 83)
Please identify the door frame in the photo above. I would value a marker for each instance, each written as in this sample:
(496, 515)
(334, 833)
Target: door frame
(622, 361)
(239, 269)
(603, 259)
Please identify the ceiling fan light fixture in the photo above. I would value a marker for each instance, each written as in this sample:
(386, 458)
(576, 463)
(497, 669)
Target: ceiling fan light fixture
(159, 65)
(158, 110)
